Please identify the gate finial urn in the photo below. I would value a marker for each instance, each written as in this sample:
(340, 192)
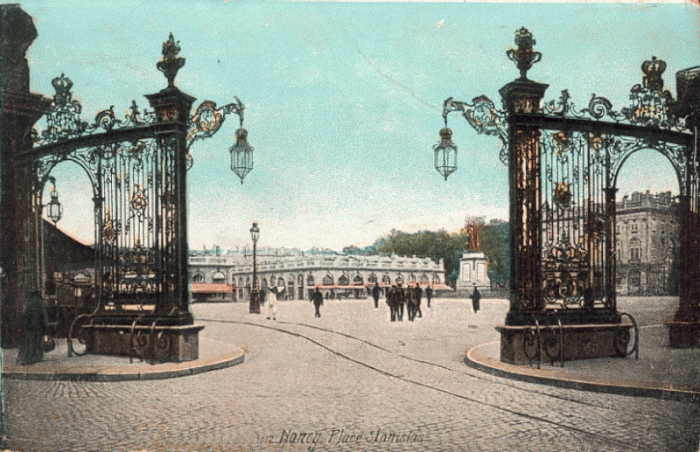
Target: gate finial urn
(524, 56)
(171, 62)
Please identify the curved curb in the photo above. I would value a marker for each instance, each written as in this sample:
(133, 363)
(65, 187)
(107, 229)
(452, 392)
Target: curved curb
(123, 373)
(583, 383)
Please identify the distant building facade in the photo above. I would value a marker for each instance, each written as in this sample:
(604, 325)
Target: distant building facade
(646, 234)
(295, 274)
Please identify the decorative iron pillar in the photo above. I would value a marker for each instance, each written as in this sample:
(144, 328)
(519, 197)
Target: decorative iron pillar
(521, 99)
(684, 329)
(172, 109)
(611, 254)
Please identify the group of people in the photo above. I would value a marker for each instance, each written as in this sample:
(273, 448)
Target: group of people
(400, 299)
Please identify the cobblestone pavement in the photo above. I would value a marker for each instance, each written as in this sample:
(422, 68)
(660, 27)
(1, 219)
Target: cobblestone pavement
(349, 381)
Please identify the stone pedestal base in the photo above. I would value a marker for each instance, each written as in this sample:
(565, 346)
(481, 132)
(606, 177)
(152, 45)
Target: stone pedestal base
(162, 343)
(683, 334)
(519, 344)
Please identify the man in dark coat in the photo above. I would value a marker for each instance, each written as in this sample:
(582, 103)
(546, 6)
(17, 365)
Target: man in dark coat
(476, 296)
(399, 300)
(418, 295)
(36, 326)
(391, 303)
(317, 299)
(410, 303)
(429, 294)
(375, 295)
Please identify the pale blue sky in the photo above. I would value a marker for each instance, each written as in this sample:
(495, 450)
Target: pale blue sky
(343, 101)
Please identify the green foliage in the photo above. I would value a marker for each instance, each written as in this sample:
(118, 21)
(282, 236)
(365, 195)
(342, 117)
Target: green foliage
(435, 245)
(495, 243)
(449, 247)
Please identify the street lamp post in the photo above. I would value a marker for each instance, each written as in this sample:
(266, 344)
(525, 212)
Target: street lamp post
(255, 294)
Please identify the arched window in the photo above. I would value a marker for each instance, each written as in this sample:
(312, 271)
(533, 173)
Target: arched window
(300, 280)
(424, 279)
(310, 280)
(412, 278)
(399, 279)
(343, 280)
(386, 279)
(358, 280)
(218, 278)
(280, 282)
(372, 278)
(436, 279)
(263, 283)
(247, 282)
(198, 277)
(328, 280)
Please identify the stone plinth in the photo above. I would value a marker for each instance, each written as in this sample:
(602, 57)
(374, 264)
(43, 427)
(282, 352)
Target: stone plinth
(683, 334)
(164, 343)
(519, 343)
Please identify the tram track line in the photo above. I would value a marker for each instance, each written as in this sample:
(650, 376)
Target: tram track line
(427, 386)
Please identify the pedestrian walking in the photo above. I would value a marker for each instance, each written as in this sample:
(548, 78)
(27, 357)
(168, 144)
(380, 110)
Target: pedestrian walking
(410, 304)
(476, 297)
(400, 301)
(36, 326)
(317, 299)
(418, 296)
(390, 301)
(272, 305)
(375, 295)
(428, 294)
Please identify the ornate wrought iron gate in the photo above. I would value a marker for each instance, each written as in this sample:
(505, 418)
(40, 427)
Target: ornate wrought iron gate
(563, 164)
(137, 169)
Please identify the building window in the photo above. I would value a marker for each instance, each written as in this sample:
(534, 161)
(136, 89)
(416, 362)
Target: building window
(358, 280)
(634, 228)
(412, 278)
(372, 278)
(328, 280)
(399, 279)
(198, 278)
(218, 278)
(343, 280)
(635, 250)
(310, 280)
(436, 279)
(424, 279)
(386, 279)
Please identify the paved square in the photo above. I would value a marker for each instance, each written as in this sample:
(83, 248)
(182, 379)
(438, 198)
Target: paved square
(349, 381)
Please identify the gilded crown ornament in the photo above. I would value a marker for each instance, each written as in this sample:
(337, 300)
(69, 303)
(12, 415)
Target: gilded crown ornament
(524, 56)
(653, 69)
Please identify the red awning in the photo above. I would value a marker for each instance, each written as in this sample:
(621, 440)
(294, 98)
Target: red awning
(212, 288)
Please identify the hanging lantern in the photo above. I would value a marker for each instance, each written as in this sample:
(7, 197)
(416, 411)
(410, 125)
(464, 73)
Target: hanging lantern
(55, 209)
(241, 154)
(445, 154)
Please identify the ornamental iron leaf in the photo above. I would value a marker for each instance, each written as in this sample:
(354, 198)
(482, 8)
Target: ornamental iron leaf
(208, 119)
(483, 116)
(63, 121)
